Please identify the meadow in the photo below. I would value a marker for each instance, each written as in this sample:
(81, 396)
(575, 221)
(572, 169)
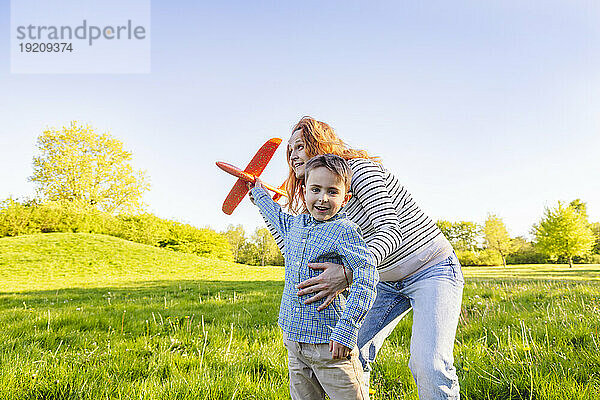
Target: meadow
(96, 317)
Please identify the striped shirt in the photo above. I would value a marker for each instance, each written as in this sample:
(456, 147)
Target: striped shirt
(399, 234)
(308, 240)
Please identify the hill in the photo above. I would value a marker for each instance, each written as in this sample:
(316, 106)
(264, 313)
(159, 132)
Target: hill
(67, 260)
(87, 316)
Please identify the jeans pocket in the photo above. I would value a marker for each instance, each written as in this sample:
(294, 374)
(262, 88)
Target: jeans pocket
(456, 268)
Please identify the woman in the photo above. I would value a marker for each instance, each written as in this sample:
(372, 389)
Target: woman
(417, 265)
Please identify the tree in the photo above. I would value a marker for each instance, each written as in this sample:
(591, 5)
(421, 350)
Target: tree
(524, 252)
(580, 207)
(564, 232)
(496, 236)
(463, 235)
(596, 230)
(466, 234)
(236, 236)
(267, 247)
(79, 165)
(249, 254)
(446, 228)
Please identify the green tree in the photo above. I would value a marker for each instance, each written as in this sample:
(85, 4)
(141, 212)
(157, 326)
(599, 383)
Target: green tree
(596, 230)
(236, 236)
(445, 227)
(496, 236)
(580, 206)
(79, 165)
(463, 235)
(268, 251)
(524, 252)
(249, 254)
(467, 234)
(564, 232)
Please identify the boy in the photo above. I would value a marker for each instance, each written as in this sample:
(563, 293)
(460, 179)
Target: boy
(322, 352)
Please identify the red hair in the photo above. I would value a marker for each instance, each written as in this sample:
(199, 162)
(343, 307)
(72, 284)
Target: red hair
(319, 138)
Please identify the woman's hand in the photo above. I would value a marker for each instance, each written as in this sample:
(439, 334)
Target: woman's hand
(328, 284)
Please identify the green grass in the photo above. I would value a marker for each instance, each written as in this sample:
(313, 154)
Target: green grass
(95, 317)
(588, 272)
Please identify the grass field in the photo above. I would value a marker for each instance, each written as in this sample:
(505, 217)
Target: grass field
(95, 317)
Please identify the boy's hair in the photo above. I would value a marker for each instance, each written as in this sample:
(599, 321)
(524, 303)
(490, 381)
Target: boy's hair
(335, 164)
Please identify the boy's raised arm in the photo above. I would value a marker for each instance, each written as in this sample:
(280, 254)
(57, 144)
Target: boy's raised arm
(280, 220)
(360, 262)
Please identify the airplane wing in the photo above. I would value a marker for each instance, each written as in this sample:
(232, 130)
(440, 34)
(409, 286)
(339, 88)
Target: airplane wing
(235, 196)
(262, 157)
(255, 167)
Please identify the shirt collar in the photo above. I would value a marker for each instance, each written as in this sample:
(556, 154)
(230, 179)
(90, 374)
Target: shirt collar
(337, 216)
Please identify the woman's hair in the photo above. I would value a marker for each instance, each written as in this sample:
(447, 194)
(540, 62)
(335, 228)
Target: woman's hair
(319, 138)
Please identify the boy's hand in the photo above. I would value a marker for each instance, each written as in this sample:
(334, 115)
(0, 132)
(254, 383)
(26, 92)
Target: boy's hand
(250, 186)
(338, 350)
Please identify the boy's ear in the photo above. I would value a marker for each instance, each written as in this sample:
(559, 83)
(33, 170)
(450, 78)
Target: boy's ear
(346, 198)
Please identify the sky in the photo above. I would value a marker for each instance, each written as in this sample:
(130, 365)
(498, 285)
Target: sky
(477, 107)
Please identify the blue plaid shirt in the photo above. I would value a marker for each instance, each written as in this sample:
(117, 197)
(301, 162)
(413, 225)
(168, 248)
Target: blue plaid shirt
(307, 240)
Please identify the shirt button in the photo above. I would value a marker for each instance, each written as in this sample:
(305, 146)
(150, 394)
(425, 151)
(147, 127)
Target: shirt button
(303, 240)
(297, 309)
(298, 263)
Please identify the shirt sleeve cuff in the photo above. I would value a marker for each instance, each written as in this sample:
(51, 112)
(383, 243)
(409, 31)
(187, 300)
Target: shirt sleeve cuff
(258, 192)
(345, 333)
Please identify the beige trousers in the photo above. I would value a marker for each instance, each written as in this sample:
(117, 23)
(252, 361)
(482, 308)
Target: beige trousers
(313, 372)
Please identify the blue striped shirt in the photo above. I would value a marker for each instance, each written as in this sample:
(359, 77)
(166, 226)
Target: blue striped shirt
(307, 240)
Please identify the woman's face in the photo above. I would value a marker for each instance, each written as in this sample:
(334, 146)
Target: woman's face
(297, 156)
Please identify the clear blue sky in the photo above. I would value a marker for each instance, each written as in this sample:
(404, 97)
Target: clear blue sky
(477, 106)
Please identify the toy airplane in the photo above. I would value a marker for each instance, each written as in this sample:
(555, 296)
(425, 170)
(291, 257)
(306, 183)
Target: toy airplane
(253, 170)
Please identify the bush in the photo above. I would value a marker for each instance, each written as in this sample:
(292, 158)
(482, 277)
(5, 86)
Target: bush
(527, 255)
(29, 217)
(478, 257)
(67, 216)
(204, 242)
(143, 228)
(15, 218)
(591, 259)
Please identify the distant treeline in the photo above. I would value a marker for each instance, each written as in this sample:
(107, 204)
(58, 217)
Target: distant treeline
(258, 249)
(88, 184)
(487, 244)
(563, 235)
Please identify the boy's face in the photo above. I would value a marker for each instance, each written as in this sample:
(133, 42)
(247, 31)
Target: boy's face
(325, 193)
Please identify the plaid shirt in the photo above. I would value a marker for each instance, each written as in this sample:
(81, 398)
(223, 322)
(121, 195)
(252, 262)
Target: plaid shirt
(307, 240)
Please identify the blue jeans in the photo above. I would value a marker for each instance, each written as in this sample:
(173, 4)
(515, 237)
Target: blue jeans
(435, 295)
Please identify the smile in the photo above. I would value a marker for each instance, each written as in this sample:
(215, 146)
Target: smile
(321, 208)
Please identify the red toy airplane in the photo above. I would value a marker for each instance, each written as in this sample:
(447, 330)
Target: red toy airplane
(253, 170)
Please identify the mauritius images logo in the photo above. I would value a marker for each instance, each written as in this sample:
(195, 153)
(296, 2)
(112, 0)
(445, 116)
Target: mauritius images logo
(74, 36)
